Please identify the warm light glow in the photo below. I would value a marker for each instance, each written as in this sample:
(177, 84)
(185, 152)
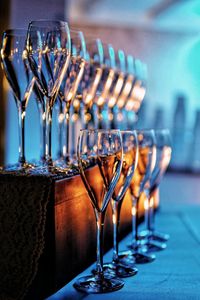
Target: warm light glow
(114, 219)
(111, 102)
(133, 211)
(146, 204)
(100, 101)
(23, 115)
(60, 118)
(151, 202)
(43, 116)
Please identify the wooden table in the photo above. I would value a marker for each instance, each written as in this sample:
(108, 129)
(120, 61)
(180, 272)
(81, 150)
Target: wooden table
(176, 272)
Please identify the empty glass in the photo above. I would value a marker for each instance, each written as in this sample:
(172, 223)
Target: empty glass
(49, 48)
(15, 64)
(100, 161)
(130, 156)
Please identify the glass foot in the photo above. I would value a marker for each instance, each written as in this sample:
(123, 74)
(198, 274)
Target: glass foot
(159, 236)
(24, 168)
(137, 256)
(119, 269)
(90, 284)
(141, 258)
(154, 246)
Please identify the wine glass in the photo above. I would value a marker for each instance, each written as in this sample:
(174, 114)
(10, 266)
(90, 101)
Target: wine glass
(67, 93)
(16, 68)
(130, 157)
(49, 48)
(122, 115)
(106, 82)
(154, 239)
(117, 87)
(140, 181)
(137, 94)
(100, 161)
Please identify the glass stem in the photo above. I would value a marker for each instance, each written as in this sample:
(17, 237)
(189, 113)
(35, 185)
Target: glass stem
(48, 148)
(134, 221)
(73, 134)
(151, 223)
(116, 208)
(66, 133)
(147, 210)
(100, 118)
(60, 126)
(100, 216)
(42, 131)
(21, 120)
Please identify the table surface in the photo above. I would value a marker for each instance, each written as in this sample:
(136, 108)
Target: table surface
(175, 274)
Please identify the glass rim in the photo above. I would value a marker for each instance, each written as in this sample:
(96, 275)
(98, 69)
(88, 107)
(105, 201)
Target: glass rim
(128, 131)
(15, 31)
(101, 130)
(44, 22)
(145, 130)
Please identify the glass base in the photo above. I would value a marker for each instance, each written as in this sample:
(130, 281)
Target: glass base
(159, 236)
(137, 256)
(90, 284)
(25, 168)
(119, 269)
(154, 235)
(154, 246)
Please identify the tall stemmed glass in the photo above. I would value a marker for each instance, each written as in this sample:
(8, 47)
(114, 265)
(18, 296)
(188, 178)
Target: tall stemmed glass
(100, 161)
(49, 48)
(129, 82)
(90, 83)
(163, 156)
(16, 68)
(130, 157)
(117, 87)
(140, 181)
(69, 88)
(138, 91)
(107, 79)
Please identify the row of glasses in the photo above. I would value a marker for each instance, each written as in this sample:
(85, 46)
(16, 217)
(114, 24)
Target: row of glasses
(71, 71)
(111, 162)
(36, 59)
(155, 241)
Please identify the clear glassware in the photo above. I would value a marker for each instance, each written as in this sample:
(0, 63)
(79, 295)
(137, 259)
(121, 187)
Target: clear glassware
(129, 82)
(107, 79)
(155, 239)
(49, 49)
(117, 88)
(16, 68)
(83, 107)
(68, 90)
(119, 267)
(90, 83)
(100, 160)
(138, 91)
(140, 181)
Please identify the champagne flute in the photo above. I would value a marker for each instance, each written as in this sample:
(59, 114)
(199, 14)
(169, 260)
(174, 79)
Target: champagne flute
(117, 87)
(49, 48)
(69, 88)
(122, 116)
(140, 181)
(100, 161)
(16, 68)
(130, 157)
(138, 91)
(163, 156)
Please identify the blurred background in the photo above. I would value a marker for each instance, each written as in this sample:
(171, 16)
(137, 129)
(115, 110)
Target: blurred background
(162, 33)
